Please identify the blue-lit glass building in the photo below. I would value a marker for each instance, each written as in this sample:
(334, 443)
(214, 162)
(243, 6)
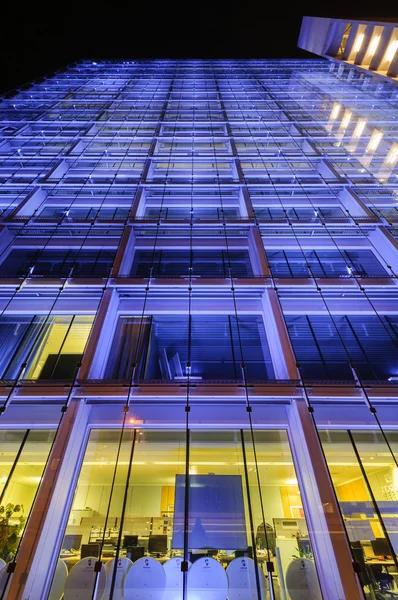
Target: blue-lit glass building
(199, 332)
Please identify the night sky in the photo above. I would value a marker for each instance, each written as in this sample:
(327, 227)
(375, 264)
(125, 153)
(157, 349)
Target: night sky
(35, 40)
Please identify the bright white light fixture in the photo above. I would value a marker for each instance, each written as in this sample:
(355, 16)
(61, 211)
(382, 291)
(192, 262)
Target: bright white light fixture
(358, 42)
(392, 156)
(373, 45)
(335, 111)
(346, 119)
(374, 141)
(291, 481)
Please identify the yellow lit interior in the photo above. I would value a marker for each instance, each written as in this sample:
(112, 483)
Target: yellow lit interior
(58, 338)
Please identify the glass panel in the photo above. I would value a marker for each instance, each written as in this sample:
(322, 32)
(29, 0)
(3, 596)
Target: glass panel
(52, 347)
(20, 491)
(10, 444)
(97, 519)
(16, 338)
(159, 457)
(59, 348)
(219, 524)
(324, 263)
(205, 263)
(52, 212)
(130, 344)
(381, 471)
(58, 263)
(215, 351)
(112, 212)
(278, 513)
(363, 471)
(324, 352)
(181, 212)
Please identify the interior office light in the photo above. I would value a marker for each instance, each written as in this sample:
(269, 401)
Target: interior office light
(374, 141)
(392, 156)
(373, 45)
(335, 111)
(360, 126)
(358, 42)
(392, 48)
(346, 119)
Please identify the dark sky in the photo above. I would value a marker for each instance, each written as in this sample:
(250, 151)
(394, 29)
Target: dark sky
(36, 40)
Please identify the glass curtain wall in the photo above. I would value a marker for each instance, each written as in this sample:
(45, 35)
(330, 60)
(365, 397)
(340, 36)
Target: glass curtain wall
(243, 504)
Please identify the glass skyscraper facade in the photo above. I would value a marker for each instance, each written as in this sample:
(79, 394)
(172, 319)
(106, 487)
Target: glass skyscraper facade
(199, 332)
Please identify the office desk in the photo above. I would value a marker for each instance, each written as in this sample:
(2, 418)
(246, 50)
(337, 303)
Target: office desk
(379, 561)
(225, 559)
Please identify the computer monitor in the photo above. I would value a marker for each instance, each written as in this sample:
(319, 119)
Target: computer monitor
(380, 547)
(364, 574)
(72, 542)
(194, 556)
(242, 553)
(143, 541)
(108, 550)
(90, 550)
(157, 544)
(135, 552)
(130, 540)
(113, 539)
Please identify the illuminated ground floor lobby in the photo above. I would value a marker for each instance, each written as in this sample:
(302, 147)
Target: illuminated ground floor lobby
(280, 501)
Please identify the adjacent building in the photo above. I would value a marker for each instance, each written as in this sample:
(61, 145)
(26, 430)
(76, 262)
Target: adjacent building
(371, 47)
